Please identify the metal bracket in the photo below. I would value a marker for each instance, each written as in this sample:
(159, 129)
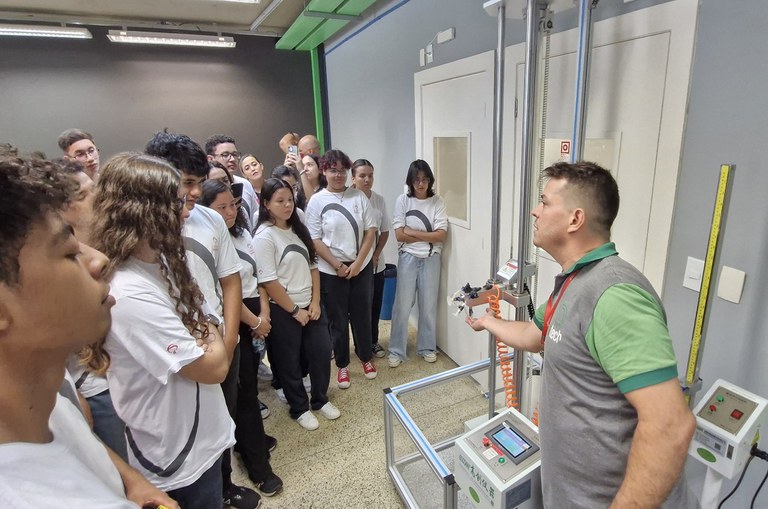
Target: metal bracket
(331, 15)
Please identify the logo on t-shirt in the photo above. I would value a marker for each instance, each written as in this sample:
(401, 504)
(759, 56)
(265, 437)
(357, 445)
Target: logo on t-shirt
(172, 348)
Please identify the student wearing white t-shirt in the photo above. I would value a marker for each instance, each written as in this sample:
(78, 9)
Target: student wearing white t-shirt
(253, 443)
(48, 455)
(343, 230)
(287, 272)
(362, 179)
(214, 264)
(167, 356)
(421, 224)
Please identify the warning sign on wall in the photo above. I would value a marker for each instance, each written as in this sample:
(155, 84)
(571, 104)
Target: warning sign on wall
(565, 148)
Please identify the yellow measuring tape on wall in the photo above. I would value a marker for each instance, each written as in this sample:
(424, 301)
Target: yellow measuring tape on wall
(706, 280)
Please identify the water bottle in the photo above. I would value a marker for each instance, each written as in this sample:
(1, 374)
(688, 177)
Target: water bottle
(258, 346)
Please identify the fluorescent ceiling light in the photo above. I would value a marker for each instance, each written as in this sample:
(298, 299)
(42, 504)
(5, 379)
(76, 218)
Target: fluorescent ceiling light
(45, 31)
(170, 39)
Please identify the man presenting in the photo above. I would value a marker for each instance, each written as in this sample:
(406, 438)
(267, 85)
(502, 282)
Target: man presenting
(614, 425)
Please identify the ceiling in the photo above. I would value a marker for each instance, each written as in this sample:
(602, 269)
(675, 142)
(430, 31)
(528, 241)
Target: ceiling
(223, 16)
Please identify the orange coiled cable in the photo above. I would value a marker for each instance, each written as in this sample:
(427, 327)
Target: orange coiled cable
(505, 361)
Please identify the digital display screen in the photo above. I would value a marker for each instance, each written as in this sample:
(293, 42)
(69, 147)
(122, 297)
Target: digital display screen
(513, 444)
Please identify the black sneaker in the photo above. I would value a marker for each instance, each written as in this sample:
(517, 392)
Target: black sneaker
(241, 498)
(271, 442)
(378, 351)
(264, 410)
(272, 486)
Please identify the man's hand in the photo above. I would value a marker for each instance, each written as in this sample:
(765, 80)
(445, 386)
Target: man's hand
(479, 323)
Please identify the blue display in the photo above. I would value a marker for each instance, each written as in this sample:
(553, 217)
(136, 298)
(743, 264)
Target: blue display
(511, 442)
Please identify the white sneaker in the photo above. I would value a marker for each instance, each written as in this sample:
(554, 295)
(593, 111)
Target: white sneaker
(264, 373)
(430, 356)
(394, 361)
(329, 411)
(281, 395)
(308, 421)
(307, 383)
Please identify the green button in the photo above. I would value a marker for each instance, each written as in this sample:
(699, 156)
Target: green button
(502, 460)
(708, 456)
(720, 398)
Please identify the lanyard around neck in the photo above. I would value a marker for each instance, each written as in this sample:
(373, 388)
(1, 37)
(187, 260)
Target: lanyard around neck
(550, 309)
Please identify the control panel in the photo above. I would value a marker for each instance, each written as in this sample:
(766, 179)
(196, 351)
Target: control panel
(729, 420)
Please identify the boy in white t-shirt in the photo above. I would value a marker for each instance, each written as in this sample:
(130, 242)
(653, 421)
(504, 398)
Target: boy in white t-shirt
(48, 455)
(215, 265)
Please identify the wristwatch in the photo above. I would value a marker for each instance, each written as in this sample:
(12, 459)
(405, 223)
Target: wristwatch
(295, 310)
(213, 319)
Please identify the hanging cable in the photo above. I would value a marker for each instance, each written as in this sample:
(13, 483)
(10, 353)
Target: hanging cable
(741, 478)
(505, 358)
(752, 504)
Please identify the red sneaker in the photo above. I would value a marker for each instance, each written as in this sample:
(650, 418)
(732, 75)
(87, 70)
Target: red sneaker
(370, 370)
(343, 378)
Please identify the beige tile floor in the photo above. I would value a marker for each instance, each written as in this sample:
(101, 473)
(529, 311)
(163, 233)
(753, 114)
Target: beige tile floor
(342, 464)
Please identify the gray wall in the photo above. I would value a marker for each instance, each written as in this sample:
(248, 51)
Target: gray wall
(370, 79)
(123, 93)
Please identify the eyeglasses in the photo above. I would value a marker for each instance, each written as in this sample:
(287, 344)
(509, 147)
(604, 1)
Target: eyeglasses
(229, 155)
(82, 155)
(337, 171)
(424, 180)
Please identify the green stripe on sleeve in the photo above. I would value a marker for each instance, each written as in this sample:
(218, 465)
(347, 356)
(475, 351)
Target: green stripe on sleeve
(647, 379)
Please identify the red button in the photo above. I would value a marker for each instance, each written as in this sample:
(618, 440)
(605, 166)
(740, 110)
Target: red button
(712, 408)
(736, 414)
(486, 442)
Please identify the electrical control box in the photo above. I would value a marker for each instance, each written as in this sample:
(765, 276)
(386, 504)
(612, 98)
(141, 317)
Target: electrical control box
(729, 420)
(498, 463)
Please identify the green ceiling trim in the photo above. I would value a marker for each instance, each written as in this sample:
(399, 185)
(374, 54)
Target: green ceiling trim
(307, 33)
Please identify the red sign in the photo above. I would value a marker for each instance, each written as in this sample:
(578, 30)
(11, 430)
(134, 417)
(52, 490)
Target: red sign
(565, 147)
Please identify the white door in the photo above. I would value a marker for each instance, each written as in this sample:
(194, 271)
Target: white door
(454, 117)
(637, 96)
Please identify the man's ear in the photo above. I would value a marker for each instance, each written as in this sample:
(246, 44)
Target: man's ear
(578, 220)
(210, 157)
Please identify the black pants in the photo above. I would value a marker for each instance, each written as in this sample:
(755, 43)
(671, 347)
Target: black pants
(349, 300)
(229, 388)
(249, 430)
(290, 342)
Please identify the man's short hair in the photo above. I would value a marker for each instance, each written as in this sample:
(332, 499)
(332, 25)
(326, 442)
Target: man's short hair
(181, 151)
(6, 149)
(217, 139)
(31, 188)
(596, 191)
(70, 136)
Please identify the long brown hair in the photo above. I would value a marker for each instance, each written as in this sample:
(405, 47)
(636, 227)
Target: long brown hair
(137, 200)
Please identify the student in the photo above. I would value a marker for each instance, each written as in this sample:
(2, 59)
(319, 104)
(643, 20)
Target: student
(214, 264)
(285, 256)
(78, 145)
(420, 224)
(86, 368)
(362, 179)
(253, 170)
(48, 455)
(222, 148)
(343, 230)
(253, 444)
(167, 355)
(311, 178)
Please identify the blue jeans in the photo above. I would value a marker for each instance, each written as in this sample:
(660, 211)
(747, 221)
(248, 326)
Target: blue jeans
(205, 493)
(418, 280)
(107, 425)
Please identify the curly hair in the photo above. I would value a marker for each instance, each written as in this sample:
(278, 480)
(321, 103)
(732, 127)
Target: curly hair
(31, 188)
(137, 200)
(332, 157)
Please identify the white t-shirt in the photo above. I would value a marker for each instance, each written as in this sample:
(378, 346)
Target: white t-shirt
(71, 472)
(175, 428)
(383, 224)
(340, 221)
(427, 215)
(244, 247)
(281, 255)
(86, 382)
(211, 254)
(250, 200)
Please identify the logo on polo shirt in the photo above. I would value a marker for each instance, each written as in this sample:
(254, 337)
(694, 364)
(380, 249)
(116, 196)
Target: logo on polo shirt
(172, 348)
